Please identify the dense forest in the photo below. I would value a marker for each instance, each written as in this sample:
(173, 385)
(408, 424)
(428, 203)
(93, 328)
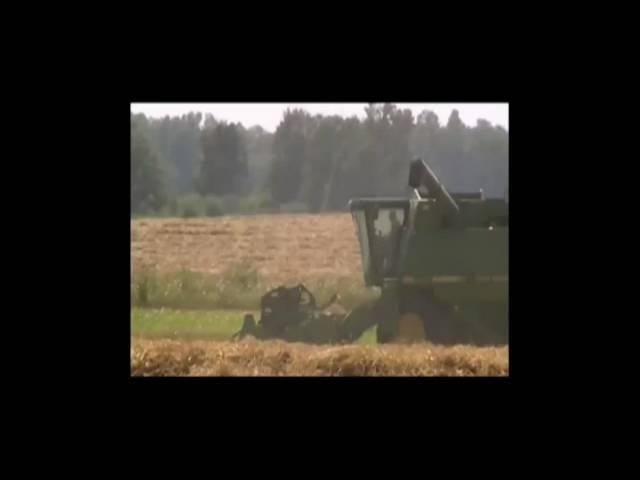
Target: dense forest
(198, 165)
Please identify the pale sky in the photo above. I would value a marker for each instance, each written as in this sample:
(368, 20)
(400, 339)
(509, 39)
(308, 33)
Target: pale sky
(269, 115)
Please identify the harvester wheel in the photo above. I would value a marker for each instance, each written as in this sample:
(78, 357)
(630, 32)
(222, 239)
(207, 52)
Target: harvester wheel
(425, 318)
(383, 334)
(410, 328)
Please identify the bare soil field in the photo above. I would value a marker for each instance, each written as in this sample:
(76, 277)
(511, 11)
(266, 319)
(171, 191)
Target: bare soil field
(282, 248)
(277, 358)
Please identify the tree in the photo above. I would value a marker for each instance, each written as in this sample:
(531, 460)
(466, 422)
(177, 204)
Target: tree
(346, 179)
(260, 157)
(385, 157)
(490, 157)
(425, 140)
(185, 152)
(147, 182)
(224, 164)
(453, 154)
(321, 161)
(176, 140)
(289, 145)
(455, 123)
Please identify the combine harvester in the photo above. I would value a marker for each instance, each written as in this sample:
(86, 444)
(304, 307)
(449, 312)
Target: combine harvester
(440, 260)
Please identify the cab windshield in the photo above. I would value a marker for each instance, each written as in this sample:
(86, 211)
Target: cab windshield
(380, 228)
(387, 226)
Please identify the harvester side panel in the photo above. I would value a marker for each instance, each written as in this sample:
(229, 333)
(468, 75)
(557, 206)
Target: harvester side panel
(452, 252)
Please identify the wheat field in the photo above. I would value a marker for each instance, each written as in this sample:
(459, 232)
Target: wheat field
(277, 358)
(282, 248)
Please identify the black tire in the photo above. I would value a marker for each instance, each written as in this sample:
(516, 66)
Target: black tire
(383, 334)
(440, 325)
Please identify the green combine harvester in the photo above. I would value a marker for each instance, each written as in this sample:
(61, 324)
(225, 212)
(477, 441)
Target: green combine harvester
(440, 260)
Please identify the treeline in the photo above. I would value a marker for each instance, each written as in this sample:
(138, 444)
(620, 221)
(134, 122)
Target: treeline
(194, 165)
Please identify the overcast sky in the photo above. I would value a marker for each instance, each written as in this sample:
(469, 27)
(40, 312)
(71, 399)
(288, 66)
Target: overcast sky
(268, 115)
